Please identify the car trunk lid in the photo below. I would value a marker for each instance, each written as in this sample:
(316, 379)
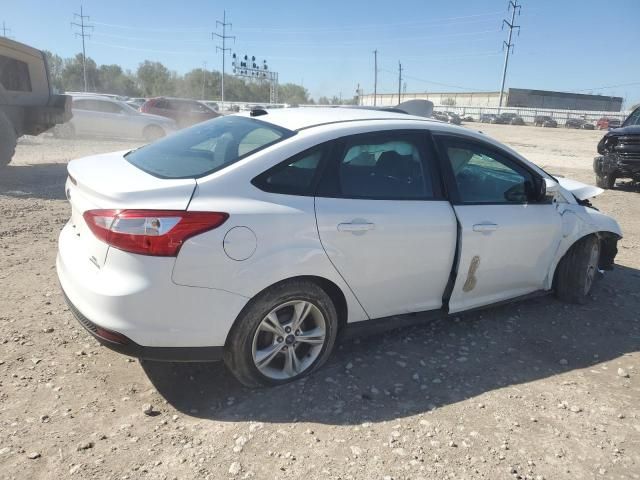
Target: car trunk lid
(109, 181)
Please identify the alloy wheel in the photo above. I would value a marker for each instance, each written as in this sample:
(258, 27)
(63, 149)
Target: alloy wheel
(289, 340)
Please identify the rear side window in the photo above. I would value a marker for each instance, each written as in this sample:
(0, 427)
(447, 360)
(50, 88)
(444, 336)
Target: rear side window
(14, 75)
(206, 147)
(383, 167)
(295, 176)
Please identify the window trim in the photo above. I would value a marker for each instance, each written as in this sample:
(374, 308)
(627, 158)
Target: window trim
(449, 178)
(260, 183)
(423, 142)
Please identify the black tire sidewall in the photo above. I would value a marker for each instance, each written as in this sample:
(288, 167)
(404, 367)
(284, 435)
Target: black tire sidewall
(152, 133)
(238, 350)
(8, 140)
(571, 271)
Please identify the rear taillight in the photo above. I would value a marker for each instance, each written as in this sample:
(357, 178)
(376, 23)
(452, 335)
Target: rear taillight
(150, 232)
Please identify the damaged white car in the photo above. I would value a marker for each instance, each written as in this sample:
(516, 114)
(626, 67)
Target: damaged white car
(258, 238)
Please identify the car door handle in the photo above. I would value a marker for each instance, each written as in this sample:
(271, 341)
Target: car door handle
(485, 227)
(355, 227)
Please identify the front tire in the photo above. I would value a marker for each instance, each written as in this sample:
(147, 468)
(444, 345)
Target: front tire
(153, 133)
(577, 270)
(8, 140)
(283, 334)
(606, 181)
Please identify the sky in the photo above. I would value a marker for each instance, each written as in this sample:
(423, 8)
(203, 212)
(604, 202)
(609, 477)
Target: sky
(587, 46)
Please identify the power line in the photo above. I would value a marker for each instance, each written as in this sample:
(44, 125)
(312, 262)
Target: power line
(514, 7)
(223, 49)
(82, 25)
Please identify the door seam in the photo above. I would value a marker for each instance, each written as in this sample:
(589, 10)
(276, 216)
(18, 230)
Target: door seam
(315, 214)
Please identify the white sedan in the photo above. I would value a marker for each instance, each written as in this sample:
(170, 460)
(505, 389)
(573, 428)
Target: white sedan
(259, 237)
(97, 115)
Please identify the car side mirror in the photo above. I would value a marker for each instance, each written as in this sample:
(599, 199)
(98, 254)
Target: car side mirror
(549, 188)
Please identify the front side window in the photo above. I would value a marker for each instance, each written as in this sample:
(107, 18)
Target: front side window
(385, 167)
(206, 147)
(14, 75)
(483, 175)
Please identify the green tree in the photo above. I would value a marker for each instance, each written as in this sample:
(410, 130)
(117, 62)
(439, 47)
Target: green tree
(155, 79)
(73, 77)
(293, 94)
(56, 66)
(113, 80)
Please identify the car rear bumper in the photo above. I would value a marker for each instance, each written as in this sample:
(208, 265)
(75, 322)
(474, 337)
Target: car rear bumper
(122, 344)
(133, 299)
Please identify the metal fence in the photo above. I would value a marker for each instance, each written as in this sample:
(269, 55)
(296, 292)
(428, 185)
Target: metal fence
(528, 114)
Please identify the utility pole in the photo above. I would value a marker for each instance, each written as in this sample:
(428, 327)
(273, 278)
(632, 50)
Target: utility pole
(204, 77)
(399, 82)
(513, 6)
(82, 25)
(375, 77)
(5, 30)
(224, 48)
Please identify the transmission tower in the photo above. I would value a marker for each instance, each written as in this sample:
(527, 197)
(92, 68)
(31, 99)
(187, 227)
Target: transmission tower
(514, 7)
(81, 17)
(223, 49)
(375, 77)
(5, 30)
(399, 82)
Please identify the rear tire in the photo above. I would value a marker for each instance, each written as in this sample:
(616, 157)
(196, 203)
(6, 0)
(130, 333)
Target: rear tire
(8, 140)
(578, 270)
(252, 335)
(606, 181)
(153, 133)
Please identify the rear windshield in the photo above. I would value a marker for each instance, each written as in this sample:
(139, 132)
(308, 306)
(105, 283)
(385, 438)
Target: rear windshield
(206, 147)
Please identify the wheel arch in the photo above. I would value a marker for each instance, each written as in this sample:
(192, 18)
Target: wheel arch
(608, 250)
(334, 292)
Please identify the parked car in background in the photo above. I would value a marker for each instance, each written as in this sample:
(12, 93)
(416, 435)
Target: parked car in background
(512, 118)
(136, 102)
(578, 123)
(619, 153)
(212, 105)
(112, 96)
(491, 118)
(257, 238)
(102, 116)
(184, 111)
(606, 123)
(453, 118)
(544, 121)
(440, 116)
(28, 105)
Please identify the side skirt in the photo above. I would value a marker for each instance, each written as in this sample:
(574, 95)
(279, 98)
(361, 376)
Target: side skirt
(394, 322)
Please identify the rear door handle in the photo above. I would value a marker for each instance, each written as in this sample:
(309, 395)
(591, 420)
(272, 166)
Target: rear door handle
(485, 227)
(355, 227)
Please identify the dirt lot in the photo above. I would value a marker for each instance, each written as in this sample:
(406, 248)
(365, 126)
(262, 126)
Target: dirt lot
(532, 390)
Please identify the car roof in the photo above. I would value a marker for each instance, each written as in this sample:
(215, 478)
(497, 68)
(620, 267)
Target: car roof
(306, 117)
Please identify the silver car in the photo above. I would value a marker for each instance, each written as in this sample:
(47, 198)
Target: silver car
(105, 117)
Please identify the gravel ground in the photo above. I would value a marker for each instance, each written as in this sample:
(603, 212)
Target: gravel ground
(533, 390)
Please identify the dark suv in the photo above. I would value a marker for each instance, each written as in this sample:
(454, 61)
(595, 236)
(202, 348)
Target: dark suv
(184, 111)
(544, 121)
(619, 153)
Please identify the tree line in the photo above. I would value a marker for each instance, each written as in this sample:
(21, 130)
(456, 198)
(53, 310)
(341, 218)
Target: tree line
(153, 79)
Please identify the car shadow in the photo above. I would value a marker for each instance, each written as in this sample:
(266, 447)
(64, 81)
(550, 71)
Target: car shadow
(414, 370)
(43, 180)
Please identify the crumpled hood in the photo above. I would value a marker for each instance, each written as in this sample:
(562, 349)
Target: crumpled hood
(580, 190)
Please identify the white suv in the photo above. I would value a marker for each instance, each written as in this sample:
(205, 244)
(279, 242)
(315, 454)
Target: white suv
(259, 237)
